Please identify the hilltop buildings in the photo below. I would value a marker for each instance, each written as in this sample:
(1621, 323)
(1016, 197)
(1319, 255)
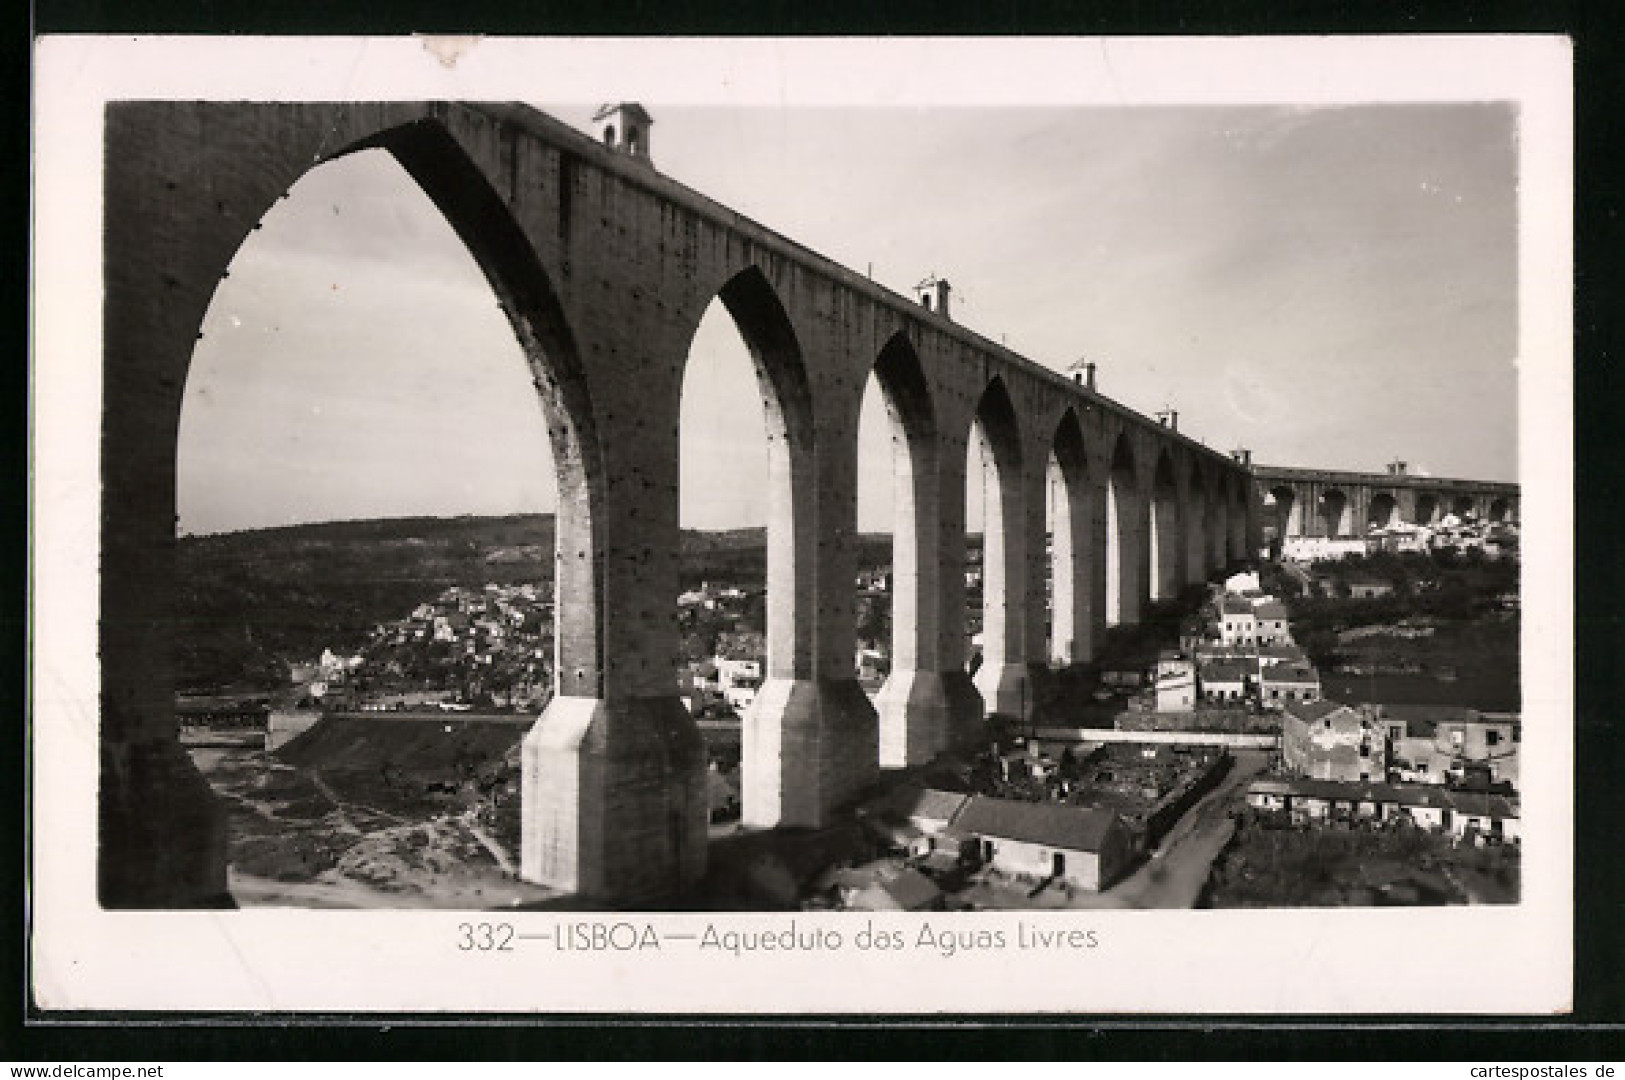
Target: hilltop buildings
(1237, 649)
(490, 645)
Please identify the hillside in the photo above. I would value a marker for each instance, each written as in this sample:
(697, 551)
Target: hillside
(250, 601)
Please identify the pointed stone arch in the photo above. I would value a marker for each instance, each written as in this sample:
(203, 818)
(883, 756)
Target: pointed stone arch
(1164, 554)
(790, 775)
(1193, 515)
(1239, 517)
(1001, 679)
(781, 377)
(1332, 512)
(1071, 638)
(1218, 521)
(1286, 512)
(1382, 511)
(1125, 536)
(178, 207)
(913, 703)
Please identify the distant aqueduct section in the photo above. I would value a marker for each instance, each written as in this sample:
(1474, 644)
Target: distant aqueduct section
(1323, 503)
(604, 268)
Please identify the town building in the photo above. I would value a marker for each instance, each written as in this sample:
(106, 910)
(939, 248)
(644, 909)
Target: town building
(1322, 740)
(1123, 675)
(1084, 846)
(1174, 686)
(1317, 548)
(738, 681)
(1401, 537)
(1273, 627)
(1223, 681)
(1288, 653)
(1461, 813)
(1437, 744)
(1484, 813)
(1283, 681)
(1238, 625)
(1369, 588)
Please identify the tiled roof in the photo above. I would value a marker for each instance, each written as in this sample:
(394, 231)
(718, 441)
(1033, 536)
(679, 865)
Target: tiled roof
(1482, 804)
(1237, 607)
(1222, 671)
(1289, 673)
(1073, 828)
(1270, 609)
(1343, 790)
(1350, 791)
(1281, 652)
(911, 890)
(1479, 804)
(1311, 711)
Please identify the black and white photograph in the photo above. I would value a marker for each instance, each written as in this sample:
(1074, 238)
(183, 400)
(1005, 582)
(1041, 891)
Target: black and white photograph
(769, 526)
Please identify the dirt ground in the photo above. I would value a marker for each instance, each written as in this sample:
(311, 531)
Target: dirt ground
(297, 839)
(322, 837)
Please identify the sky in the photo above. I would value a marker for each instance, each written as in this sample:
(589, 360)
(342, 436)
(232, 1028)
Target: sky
(1331, 287)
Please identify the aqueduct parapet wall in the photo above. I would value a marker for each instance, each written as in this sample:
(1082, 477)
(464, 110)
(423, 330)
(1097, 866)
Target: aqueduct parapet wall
(1296, 502)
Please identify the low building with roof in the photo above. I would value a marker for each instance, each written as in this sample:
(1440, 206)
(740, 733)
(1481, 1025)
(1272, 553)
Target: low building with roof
(1284, 681)
(1085, 846)
(1484, 813)
(1281, 651)
(1223, 680)
(1123, 675)
(1369, 588)
(881, 887)
(1317, 548)
(1458, 812)
(1174, 688)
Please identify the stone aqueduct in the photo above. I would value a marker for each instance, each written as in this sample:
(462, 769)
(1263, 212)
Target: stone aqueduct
(604, 269)
(1317, 502)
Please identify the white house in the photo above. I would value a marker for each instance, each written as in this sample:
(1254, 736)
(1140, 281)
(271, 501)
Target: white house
(1085, 846)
